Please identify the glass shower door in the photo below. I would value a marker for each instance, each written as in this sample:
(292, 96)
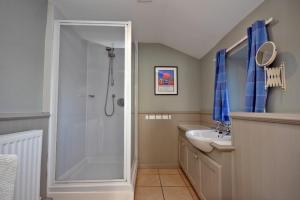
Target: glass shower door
(90, 113)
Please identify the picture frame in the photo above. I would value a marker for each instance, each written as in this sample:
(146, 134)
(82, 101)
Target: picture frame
(166, 80)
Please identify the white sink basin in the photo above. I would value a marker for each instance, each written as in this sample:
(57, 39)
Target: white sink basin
(202, 139)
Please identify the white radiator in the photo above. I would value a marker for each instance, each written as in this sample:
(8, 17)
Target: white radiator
(28, 148)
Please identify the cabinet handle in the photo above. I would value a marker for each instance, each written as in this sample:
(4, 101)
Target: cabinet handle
(195, 156)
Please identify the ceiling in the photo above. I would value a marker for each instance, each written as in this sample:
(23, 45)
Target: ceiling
(191, 26)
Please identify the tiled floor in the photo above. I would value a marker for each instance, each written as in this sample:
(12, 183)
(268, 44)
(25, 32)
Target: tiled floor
(163, 184)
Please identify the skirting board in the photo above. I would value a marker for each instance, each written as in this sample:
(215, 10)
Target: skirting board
(159, 165)
(110, 195)
(134, 173)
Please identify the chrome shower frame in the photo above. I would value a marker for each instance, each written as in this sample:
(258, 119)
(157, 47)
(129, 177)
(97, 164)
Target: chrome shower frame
(59, 189)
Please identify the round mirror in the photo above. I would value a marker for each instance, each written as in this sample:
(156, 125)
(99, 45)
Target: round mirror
(266, 54)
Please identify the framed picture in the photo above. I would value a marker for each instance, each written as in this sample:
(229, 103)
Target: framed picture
(165, 80)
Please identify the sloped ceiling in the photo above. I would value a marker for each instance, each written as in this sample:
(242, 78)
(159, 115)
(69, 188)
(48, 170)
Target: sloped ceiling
(191, 26)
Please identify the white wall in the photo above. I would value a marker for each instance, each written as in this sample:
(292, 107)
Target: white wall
(52, 14)
(105, 135)
(72, 101)
(133, 103)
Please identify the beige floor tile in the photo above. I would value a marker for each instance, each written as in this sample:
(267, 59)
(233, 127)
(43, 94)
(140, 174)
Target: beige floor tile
(148, 171)
(168, 171)
(148, 180)
(193, 193)
(148, 193)
(171, 180)
(177, 193)
(186, 180)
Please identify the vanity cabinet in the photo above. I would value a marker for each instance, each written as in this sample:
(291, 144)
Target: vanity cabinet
(209, 173)
(211, 180)
(194, 167)
(183, 153)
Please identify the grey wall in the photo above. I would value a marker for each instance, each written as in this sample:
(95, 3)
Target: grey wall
(22, 38)
(285, 33)
(189, 93)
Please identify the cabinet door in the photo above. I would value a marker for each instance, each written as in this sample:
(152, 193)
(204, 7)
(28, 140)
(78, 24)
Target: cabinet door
(194, 168)
(183, 153)
(211, 181)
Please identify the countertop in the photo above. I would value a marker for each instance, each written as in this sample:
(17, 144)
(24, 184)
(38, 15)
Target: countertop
(218, 146)
(187, 127)
(279, 118)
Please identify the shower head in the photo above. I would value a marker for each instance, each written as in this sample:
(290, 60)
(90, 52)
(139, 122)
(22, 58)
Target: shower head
(110, 52)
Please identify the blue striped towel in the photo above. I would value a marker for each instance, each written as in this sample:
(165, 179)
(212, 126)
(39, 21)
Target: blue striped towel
(256, 94)
(221, 111)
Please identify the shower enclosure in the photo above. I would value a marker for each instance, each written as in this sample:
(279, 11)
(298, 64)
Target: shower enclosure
(92, 125)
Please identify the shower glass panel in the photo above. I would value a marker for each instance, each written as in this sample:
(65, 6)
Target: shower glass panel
(90, 115)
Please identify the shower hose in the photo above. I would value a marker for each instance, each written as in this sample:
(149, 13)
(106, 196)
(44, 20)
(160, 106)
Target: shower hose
(110, 83)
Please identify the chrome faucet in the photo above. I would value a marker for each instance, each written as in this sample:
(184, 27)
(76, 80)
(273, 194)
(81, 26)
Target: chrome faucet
(223, 128)
(218, 128)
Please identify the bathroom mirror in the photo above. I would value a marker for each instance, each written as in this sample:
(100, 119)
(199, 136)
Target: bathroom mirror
(266, 54)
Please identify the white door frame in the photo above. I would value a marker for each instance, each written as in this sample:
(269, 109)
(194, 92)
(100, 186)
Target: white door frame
(54, 102)
(136, 44)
